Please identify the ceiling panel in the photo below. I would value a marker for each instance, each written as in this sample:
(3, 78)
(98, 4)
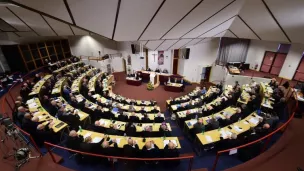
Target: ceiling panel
(134, 15)
(220, 34)
(255, 14)
(60, 28)
(95, 15)
(217, 19)
(193, 42)
(78, 31)
(218, 29)
(290, 15)
(55, 8)
(143, 42)
(241, 30)
(166, 44)
(34, 20)
(12, 36)
(206, 9)
(180, 43)
(170, 13)
(10, 18)
(26, 34)
(228, 33)
(5, 26)
(153, 44)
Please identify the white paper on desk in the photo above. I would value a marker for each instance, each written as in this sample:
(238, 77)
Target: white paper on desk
(254, 121)
(92, 107)
(32, 105)
(36, 113)
(87, 135)
(237, 128)
(30, 101)
(101, 122)
(208, 138)
(233, 151)
(245, 122)
(95, 96)
(193, 122)
(57, 100)
(96, 139)
(118, 140)
(80, 115)
(167, 142)
(40, 117)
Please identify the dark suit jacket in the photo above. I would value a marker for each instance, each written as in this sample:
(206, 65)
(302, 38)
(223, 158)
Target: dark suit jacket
(134, 119)
(130, 151)
(159, 119)
(152, 153)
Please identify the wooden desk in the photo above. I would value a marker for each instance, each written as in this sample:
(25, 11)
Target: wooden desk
(133, 81)
(36, 108)
(173, 87)
(138, 102)
(155, 126)
(92, 81)
(159, 141)
(67, 66)
(37, 87)
(214, 135)
(58, 86)
(68, 107)
(76, 83)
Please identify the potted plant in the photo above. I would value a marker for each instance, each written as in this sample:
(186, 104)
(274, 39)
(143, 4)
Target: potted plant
(150, 86)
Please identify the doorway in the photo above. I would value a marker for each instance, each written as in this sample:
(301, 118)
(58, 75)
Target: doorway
(124, 65)
(273, 62)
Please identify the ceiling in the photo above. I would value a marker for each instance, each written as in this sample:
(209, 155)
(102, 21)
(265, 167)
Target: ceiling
(159, 24)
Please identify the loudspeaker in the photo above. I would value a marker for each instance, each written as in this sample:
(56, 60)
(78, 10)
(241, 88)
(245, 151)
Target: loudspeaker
(133, 48)
(187, 53)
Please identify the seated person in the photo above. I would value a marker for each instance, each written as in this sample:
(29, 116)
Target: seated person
(170, 151)
(164, 131)
(44, 133)
(150, 150)
(203, 91)
(235, 117)
(165, 71)
(112, 130)
(107, 149)
(97, 127)
(231, 142)
(131, 149)
(155, 109)
(159, 118)
(29, 123)
(89, 146)
(142, 110)
(53, 110)
(212, 124)
(157, 70)
(133, 118)
(123, 116)
(145, 118)
(272, 82)
(198, 127)
(147, 131)
(149, 69)
(130, 129)
(74, 140)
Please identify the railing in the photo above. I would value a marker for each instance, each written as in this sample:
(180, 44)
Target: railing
(267, 138)
(48, 146)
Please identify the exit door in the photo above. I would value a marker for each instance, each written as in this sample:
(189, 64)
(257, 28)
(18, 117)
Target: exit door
(273, 62)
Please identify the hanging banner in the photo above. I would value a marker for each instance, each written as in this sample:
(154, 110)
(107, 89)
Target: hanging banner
(161, 58)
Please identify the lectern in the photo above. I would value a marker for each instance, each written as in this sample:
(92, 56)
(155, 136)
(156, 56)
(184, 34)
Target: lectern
(153, 78)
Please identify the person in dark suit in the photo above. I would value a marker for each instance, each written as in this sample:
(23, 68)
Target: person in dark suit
(89, 146)
(112, 130)
(36, 78)
(131, 150)
(163, 130)
(29, 123)
(53, 110)
(198, 127)
(155, 110)
(123, 117)
(159, 118)
(170, 151)
(74, 140)
(107, 150)
(235, 117)
(96, 127)
(133, 118)
(150, 150)
(145, 119)
(130, 129)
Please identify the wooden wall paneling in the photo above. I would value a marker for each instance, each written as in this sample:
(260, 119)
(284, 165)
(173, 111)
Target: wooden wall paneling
(32, 55)
(63, 52)
(55, 50)
(47, 51)
(40, 54)
(20, 51)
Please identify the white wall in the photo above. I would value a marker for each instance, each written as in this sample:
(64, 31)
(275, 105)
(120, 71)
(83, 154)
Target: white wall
(257, 50)
(292, 60)
(201, 55)
(90, 45)
(153, 63)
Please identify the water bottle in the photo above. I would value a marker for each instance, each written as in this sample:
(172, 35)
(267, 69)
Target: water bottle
(80, 129)
(195, 117)
(219, 129)
(240, 119)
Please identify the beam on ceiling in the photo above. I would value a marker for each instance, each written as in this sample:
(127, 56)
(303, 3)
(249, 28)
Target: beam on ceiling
(72, 30)
(182, 18)
(250, 28)
(160, 44)
(216, 26)
(9, 24)
(69, 11)
(55, 18)
(116, 18)
(49, 24)
(276, 20)
(22, 21)
(152, 19)
(218, 33)
(233, 33)
(209, 18)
